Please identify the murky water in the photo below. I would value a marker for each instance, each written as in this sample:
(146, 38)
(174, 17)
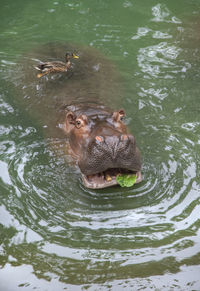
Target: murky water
(54, 233)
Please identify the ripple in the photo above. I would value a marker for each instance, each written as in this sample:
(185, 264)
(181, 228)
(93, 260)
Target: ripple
(157, 60)
(155, 222)
(162, 14)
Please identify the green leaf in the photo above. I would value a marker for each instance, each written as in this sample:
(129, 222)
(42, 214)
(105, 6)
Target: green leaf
(126, 180)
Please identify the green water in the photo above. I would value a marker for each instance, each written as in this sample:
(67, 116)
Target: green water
(54, 233)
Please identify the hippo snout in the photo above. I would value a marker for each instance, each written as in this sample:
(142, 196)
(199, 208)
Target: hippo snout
(108, 152)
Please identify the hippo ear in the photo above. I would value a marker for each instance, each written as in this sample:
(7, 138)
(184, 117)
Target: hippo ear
(122, 112)
(118, 115)
(71, 117)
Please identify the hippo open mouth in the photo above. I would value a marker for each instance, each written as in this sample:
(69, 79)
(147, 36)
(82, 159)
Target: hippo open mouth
(107, 178)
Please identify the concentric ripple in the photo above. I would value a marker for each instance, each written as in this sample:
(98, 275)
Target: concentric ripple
(121, 230)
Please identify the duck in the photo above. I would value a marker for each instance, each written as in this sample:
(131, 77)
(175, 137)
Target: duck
(55, 66)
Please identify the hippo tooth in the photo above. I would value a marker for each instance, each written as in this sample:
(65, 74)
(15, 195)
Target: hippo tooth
(108, 178)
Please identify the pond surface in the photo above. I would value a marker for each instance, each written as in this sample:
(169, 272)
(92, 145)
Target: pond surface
(54, 233)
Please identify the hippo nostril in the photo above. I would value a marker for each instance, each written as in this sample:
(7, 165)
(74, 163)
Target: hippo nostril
(124, 137)
(99, 138)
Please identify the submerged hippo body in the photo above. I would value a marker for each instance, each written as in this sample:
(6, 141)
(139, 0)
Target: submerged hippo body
(98, 137)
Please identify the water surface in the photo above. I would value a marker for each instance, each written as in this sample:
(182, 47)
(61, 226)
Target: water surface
(57, 235)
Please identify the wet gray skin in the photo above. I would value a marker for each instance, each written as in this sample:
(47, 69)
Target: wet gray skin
(101, 144)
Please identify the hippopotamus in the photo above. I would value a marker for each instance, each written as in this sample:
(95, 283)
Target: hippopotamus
(78, 103)
(99, 140)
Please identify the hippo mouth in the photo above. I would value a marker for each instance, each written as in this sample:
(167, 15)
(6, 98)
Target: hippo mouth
(107, 178)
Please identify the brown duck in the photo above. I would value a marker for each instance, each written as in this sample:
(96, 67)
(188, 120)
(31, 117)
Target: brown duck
(55, 66)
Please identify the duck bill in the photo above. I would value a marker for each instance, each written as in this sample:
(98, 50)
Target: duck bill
(75, 56)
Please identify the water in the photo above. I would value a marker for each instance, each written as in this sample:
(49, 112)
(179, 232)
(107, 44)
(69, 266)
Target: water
(57, 235)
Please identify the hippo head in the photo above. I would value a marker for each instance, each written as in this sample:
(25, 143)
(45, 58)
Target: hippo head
(102, 145)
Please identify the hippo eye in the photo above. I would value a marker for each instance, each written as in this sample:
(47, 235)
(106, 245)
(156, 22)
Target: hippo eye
(78, 123)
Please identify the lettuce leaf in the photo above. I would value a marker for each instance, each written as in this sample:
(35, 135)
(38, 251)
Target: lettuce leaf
(126, 180)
